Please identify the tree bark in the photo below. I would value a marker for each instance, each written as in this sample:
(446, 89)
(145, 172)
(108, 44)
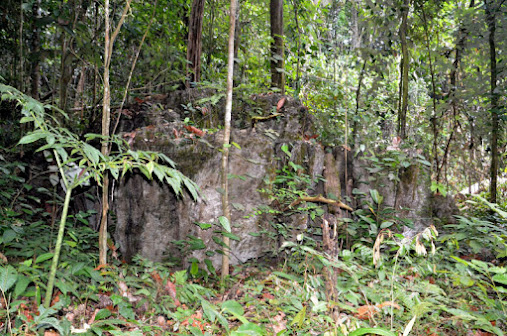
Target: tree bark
(227, 134)
(402, 113)
(277, 48)
(194, 44)
(491, 22)
(35, 52)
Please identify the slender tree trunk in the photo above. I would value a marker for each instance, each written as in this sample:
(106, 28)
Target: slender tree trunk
(21, 57)
(402, 113)
(277, 48)
(237, 36)
(491, 22)
(356, 35)
(211, 38)
(194, 44)
(227, 133)
(298, 48)
(433, 118)
(79, 99)
(106, 120)
(35, 53)
(355, 124)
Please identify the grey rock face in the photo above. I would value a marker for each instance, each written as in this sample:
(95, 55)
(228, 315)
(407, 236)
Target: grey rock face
(150, 218)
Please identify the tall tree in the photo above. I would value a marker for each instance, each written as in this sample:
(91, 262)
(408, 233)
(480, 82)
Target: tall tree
(194, 45)
(277, 48)
(227, 134)
(404, 66)
(492, 7)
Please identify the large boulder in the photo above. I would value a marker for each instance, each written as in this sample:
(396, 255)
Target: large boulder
(150, 217)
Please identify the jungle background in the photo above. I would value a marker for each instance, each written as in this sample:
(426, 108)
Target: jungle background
(398, 83)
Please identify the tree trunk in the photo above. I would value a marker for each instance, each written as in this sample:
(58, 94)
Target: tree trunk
(35, 52)
(227, 133)
(402, 112)
(106, 123)
(21, 57)
(194, 44)
(237, 36)
(277, 53)
(106, 120)
(491, 22)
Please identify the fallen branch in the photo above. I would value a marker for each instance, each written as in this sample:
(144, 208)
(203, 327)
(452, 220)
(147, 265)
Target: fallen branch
(320, 199)
(273, 115)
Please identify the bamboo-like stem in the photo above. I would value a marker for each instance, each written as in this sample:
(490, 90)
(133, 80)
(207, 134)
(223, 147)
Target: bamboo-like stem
(58, 247)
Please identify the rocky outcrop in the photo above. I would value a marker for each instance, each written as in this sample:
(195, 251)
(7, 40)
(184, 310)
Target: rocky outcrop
(153, 222)
(150, 218)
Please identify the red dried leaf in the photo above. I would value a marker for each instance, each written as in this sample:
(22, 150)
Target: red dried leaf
(309, 137)
(92, 319)
(126, 112)
(171, 289)
(156, 277)
(139, 100)
(280, 104)
(194, 130)
(56, 298)
(130, 136)
(101, 266)
(365, 312)
(176, 133)
(267, 296)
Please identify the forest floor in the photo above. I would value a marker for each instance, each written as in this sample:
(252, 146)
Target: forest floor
(409, 294)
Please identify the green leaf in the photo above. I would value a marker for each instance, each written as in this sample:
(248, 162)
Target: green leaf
(233, 307)
(32, 137)
(250, 329)
(230, 235)
(126, 311)
(285, 149)
(44, 257)
(8, 236)
(102, 314)
(203, 226)
(299, 318)
(150, 166)
(236, 145)
(375, 331)
(194, 269)
(209, 311)
(8, 277)
(501, 278)
(26, 119)
(386, 224)
(21, 285)
(225, 223)
(210, 267)
(91, 153)
(115, 172)
(375, 196)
